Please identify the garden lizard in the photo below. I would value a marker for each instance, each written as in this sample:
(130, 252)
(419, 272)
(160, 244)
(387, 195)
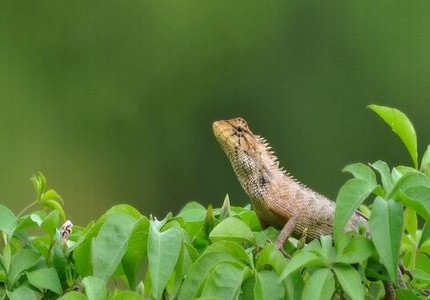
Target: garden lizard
(278, 198)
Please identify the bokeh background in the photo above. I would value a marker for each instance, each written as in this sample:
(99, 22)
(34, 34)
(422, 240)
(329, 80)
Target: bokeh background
(114, 100)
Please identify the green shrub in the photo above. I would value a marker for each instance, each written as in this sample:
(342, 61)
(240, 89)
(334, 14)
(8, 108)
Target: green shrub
(223, 253)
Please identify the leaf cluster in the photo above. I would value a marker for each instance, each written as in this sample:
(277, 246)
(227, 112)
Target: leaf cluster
(223, 253)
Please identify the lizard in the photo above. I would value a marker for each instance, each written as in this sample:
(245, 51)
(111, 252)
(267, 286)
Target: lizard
(278, 199)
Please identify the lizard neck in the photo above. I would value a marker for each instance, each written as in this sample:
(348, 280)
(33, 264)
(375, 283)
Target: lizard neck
(259, 172)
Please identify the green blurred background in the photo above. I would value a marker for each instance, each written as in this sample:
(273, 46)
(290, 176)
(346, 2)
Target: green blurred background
(114, 100)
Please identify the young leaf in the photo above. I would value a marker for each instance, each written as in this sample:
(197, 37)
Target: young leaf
(320, 286)
(402, 126)
(349, 198)
(386, 227)
(163, 253)
(52, 195)
(225, 209)
(384, 171)
(45, 278)
(52, 204)
(350, 280)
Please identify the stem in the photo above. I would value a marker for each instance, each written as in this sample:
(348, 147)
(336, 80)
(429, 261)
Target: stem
(3, 239)
(26, 208)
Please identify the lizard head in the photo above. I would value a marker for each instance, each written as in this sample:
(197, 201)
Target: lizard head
(249, 154)
(252, 159)
(234, 136)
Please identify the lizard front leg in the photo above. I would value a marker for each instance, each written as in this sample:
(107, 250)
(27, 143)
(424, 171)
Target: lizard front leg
(285, 233)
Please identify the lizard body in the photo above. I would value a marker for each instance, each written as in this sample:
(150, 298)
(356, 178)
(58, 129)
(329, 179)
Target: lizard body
(278, 199)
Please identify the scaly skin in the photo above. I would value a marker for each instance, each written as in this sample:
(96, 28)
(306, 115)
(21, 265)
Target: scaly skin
(278, 199)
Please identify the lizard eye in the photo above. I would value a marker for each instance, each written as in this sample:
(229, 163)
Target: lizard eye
(239, 129)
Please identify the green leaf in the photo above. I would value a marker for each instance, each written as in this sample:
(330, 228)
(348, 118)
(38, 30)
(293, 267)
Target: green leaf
(186, 257)
(386, 227)
(232, 229)
(402, 294)
(199, 272)
(215, 254)
(350, 280)
(23, 260)
(251, 219)
(271, 256)
(21, 293)
(233, 249)
(224, 281)
(52, 204)
(409, 180)
(384, 171)
(361, 171)
(45, 278)
(349, 198)
(267, 286)
(73, 295)
(51, 222)
(82, 249)
(111, 243)
(425, 233)
(95, 288)
(8, 221)
(163, 253)
(326, 247)
(126, 295)
(357, 250)
(135, 254)
(425, 163)
(193, 212)
(52, 195)
(402, 126)
(411, 221)
(320, 286)
(418, 199)
(301, 260)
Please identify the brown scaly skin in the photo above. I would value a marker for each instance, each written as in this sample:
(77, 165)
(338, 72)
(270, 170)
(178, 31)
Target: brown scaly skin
(278, 199)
